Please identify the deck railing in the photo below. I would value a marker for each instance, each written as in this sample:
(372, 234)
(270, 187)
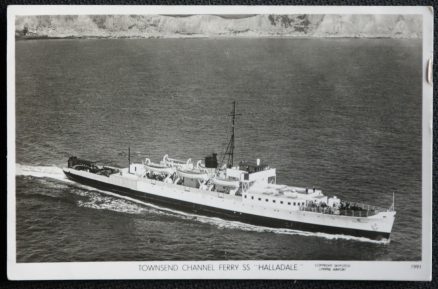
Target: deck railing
(354, 210)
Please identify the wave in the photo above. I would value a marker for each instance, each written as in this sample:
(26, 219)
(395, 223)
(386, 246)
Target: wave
(51, 172)
(123, 204)
(99, 202)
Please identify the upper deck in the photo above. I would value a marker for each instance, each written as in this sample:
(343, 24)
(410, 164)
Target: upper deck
(255, 186)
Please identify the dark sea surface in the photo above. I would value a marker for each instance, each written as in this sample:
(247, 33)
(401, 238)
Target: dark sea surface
(343, 115)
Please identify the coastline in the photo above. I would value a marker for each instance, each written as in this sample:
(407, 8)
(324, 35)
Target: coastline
(200, 36)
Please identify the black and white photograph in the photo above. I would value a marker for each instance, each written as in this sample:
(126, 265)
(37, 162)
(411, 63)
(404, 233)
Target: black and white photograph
(220, 143)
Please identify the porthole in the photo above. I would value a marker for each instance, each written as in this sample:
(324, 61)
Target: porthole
(273, 201)
(267, 200)
(295, 204)
(288, 203)
(252, 197)
(260, 199)
(281, 202)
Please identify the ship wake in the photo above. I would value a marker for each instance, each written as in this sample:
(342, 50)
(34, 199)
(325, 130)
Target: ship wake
(51, 172)
(105, 200)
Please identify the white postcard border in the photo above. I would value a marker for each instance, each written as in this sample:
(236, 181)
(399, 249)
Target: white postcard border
(353, 270)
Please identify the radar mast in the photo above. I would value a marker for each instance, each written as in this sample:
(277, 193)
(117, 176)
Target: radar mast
(229, 153)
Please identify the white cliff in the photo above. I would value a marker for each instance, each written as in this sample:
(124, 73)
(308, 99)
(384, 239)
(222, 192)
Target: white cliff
(148, 26)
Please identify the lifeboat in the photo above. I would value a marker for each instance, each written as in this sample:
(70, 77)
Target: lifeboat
(225, 182)
(192, 174)
(157, 168)
(177, 163)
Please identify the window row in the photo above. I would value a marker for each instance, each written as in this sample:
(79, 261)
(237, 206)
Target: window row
(281, 202)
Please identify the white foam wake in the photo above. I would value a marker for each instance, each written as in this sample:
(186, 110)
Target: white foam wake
(51, 172)
(123, 204)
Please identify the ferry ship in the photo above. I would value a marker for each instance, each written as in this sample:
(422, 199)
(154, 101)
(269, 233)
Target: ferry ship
(246, 192)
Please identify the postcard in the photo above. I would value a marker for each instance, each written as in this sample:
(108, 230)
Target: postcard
(219, 142)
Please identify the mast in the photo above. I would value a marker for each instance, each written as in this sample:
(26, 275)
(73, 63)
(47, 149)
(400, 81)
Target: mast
(229, 153)
(129, 159)
(393, 201)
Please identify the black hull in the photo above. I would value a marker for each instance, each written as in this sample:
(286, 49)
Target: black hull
(225, 214)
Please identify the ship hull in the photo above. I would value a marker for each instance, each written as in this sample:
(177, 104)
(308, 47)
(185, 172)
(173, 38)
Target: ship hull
(200, 209)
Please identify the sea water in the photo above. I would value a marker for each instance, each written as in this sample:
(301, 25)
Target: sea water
(343, 115)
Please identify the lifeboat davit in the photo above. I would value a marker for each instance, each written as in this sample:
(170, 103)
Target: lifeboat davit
(192, 174)
(157, 168)
(230, 183)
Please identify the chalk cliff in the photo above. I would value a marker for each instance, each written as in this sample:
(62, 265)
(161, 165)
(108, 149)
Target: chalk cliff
(151, 26)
